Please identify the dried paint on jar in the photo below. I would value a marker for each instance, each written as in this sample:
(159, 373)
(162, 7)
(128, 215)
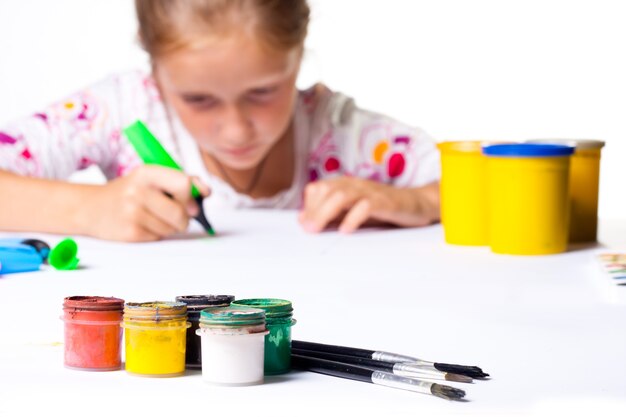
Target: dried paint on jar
(278, 315)
(195, 304)
(92, 333)
(155, 338)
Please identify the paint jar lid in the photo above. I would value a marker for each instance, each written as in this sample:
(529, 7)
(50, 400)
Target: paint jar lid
(232, 316)
(274, 307)
(200, 302)
(582, 144)
(528, 150)
(63, 255)
(155, 310)
(92, 303)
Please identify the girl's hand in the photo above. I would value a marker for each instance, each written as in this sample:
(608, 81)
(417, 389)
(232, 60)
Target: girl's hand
(359, 201)
(136, 208)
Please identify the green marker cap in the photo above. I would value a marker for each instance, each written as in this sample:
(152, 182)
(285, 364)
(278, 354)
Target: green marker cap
(63, 255)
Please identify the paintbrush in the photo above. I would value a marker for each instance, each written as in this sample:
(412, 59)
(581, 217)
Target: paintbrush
(402, 369)
(358, 373)
(471, 371)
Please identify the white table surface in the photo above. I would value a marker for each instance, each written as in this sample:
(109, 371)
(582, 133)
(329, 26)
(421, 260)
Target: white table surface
(547, 328)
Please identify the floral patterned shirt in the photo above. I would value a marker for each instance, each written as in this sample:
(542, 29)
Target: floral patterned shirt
(333, 137)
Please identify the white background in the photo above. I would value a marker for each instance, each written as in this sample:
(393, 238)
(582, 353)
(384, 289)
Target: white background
(459, 69)
(548, 329)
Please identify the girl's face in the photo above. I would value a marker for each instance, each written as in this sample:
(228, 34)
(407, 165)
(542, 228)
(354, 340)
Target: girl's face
(234, 96)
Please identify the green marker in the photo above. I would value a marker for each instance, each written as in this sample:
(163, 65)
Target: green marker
(153, 153)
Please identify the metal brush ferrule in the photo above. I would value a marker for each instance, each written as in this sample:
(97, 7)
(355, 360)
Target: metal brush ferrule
(400, 382)
(410, 370)
(393, 357)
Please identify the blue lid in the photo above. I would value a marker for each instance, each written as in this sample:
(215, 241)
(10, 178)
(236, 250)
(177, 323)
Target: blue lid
(528, 149)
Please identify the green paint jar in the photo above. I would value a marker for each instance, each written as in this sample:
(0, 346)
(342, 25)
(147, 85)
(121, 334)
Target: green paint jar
(278, 316)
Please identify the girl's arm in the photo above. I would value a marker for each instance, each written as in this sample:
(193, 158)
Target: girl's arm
(40, 151)
(130, 208)
(358, 201)
(31, 204)
(366, 167)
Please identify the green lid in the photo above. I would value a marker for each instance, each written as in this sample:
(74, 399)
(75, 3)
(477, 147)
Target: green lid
(232, 316)
(274, 307)
(63, 255)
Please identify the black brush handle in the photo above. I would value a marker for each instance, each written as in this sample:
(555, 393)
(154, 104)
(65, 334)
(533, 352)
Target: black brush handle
(323, 366)
(353, 360)
(471, 371)
(338, 350)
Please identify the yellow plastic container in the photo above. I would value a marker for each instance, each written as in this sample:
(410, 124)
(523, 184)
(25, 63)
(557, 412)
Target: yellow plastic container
(528, 198)
(584, 182)
(464, 193)
(155, 338)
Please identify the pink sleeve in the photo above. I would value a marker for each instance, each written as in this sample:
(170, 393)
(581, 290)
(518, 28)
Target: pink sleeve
(82, 130)
(347, 140)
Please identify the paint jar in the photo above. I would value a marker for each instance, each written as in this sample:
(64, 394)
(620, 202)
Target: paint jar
(93, 335)
(584, 184)
(278, 316)
(528, 198)
(463, 188)
(195, 304)
(232, 345)
(155, 334)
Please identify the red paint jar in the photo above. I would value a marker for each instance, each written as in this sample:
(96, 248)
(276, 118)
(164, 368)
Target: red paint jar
(93, 334)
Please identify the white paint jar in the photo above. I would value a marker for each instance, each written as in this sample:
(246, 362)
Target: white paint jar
(233, 345)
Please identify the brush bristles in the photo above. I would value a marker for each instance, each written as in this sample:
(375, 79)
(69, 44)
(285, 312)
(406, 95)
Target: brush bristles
(458, 378)
(446, 392)
(471, 371)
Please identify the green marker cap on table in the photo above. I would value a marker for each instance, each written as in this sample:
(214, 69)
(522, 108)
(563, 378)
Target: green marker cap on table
(63, 256)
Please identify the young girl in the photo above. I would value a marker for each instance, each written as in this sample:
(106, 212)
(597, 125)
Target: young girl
(222, 99)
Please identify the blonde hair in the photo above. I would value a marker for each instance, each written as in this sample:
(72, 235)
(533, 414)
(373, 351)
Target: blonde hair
(169, 25)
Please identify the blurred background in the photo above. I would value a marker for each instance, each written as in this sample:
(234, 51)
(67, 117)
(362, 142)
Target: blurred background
(481, 69)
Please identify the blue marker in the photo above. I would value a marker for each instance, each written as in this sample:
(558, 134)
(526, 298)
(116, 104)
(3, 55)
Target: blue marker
(22, 255)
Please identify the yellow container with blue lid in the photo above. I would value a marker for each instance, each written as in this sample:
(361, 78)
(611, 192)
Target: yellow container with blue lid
(528, 201)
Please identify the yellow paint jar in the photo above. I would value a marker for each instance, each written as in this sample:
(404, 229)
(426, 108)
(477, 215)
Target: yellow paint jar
(155, 338)
(584, 183)
(464, 193)
(528, 198)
